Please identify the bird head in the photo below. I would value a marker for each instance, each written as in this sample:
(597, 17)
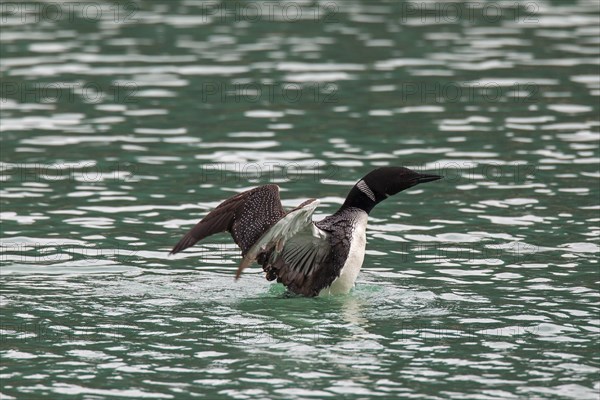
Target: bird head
(382, 183)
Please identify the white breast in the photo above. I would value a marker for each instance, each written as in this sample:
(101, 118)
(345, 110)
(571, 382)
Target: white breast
(345, 282)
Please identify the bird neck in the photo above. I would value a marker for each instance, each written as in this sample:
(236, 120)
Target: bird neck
(357, 199)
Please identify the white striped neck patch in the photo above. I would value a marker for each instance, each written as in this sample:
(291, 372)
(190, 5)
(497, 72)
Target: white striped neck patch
(363, 187)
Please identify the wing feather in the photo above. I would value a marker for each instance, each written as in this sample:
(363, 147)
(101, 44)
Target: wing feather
(306, 254)
(274, 240)
(289, 246)
(246, 216)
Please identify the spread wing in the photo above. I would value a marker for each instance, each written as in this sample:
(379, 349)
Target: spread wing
(295, 251)
(246, 216)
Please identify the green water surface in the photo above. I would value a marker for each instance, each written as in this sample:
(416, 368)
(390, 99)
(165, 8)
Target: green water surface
(123, 123)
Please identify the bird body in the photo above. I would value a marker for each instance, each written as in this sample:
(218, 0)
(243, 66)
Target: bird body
(356, 254)
(309, 258)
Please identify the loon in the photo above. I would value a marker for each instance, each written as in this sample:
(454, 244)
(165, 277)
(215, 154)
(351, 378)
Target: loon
(309, 258)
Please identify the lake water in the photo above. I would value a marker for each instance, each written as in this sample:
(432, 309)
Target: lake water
(122, 124)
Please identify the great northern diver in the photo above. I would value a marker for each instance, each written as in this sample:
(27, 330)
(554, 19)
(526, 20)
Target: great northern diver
(309, 258)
